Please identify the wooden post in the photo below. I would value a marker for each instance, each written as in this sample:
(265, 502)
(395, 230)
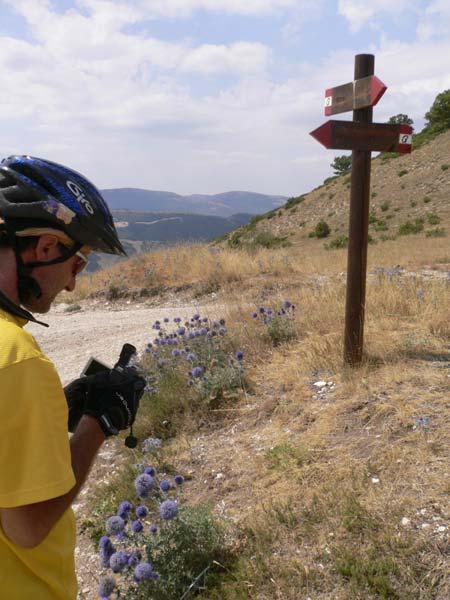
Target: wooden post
(358, 231)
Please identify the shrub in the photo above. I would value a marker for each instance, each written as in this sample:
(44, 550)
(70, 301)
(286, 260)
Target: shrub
(402, 172)
(374, 194)
(339, 242)
(433, 219)
(426, 200)
(380, 225)
(385, 206)
(321, 230)
(294, 201)
(413, 203)
(266, 239)
(372, 217)
(445, 167)
(409, 228)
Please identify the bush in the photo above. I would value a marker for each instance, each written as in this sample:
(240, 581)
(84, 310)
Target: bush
(294, 201)
(380, 225)
(433, 219)
(445, 167)
(266, 239)
(402, 172)
(321, 230)
(413, 203)
(339, 242)
(426, 200)
(385, 206)
(410, 228)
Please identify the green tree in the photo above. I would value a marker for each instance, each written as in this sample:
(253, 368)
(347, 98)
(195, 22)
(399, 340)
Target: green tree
(400, 119)
(342, 164)
(438, 117)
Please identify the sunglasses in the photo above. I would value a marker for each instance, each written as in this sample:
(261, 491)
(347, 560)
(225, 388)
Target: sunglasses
(80, 263)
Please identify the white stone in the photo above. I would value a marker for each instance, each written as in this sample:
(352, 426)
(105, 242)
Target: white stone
(441, 529)
(425, 525)
(220, 476)
(320, 384)
(375, 480)
(405, 521)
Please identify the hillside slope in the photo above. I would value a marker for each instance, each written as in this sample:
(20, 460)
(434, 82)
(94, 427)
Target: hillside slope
(403, 189)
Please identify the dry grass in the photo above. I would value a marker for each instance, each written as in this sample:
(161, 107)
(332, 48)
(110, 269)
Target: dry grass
(337, 495)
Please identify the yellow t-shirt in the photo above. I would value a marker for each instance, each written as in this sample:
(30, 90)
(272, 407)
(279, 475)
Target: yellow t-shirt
(35, 465)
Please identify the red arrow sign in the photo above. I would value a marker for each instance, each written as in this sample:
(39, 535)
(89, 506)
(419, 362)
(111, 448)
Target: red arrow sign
(373, 137)
(361, 93)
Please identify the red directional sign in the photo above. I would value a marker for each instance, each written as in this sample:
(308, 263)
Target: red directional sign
(371, 137)
(361, 93)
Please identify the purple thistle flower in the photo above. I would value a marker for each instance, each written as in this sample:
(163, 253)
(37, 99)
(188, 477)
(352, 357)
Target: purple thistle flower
(197, 372)
(106, 587)
(134, 559)
(222, 321)
(141, 511)
(190, 383)
(179, 479)
(203, 331)
(118, 561)
(143, 485)
(216, 325)
(143, 571)
(287, 304)
(255, 315)
(164, 485)
(125, 506)
(239, 355)
(222, 331)
(261, 310)
(115, 525)
(168, 510)
(195, 317)
(177, 320)
(153, 529)
(166, 320)
(137, 526)
(150, 471)
(106, 550)
(181, 330)
(269, 311)
(191, 357)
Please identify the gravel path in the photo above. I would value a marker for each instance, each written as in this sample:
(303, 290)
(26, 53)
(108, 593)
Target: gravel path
(73, 337)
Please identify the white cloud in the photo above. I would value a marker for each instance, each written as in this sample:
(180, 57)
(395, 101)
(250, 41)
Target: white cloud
(359, 12)
(242, 57)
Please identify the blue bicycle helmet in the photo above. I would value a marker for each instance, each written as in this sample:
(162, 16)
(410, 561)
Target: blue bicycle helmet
(39, 193)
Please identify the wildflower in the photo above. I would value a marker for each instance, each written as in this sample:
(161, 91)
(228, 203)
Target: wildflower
(215, 325)
(164, 485)
(141, 511)
(195, 317)
(106, 550)
(179, 479)
(166, 320)
(177, 320)
(191, 357)
(255, 315)
(118, 561)
(239, 355)
(222, 331)
(143, 571)
(203, 331)
(153, 528)
(197, 372)
(106, 587)
(261, 310)
(287, 304)
(115, 525)
(222, 321)
(124, 506)
(168, 510)
(150, 471)
(176, 353)
(137, 526)
(134, 559)
(181, 330)
(144, 484)
(151, 444)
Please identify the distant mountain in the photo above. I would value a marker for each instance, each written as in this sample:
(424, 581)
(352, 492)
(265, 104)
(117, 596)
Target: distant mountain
(142, 231)
(221, 205)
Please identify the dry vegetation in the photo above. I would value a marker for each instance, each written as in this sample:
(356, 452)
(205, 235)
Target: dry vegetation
(341, 494)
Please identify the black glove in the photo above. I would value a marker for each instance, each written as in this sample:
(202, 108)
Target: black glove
(76, 396)
(112, 397)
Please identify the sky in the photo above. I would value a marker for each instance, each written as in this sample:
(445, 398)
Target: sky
(205, 96)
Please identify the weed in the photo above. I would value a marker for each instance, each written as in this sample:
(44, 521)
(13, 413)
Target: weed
(385, 206)
(339, 242)
(413, 203)
(426, 199)
(445, 167)
(402, 172)
(433, 219)
(411, 228)
(437, 232)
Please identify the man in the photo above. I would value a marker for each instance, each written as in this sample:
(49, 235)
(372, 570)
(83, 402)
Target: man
(50, 219)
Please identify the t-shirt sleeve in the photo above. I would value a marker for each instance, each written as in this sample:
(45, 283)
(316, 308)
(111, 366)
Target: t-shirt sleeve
(34, 442)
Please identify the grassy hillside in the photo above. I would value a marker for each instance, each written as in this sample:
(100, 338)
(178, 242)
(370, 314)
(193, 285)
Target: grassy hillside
(409, 193)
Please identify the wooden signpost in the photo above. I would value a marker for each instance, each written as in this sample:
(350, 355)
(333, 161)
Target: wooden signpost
(362, 137)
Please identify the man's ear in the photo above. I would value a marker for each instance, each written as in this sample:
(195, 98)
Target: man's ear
(46, 248)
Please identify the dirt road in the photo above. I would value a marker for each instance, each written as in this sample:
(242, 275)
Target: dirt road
(101, 331)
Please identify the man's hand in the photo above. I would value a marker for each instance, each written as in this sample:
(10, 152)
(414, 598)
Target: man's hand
(112, 397)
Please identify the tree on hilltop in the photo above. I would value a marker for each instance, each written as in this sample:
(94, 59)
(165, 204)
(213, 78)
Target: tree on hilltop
(342, 164)
(400, 119)
(438, 117)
